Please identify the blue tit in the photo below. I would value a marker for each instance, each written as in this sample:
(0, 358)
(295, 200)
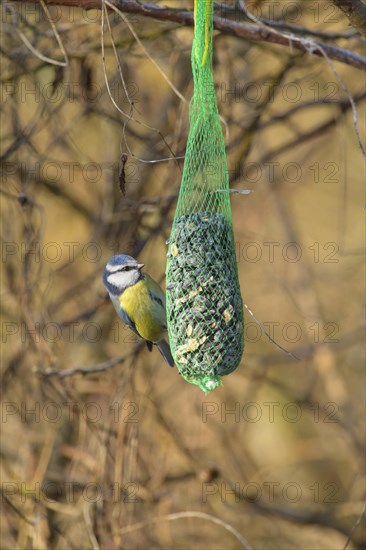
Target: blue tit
(139, 301)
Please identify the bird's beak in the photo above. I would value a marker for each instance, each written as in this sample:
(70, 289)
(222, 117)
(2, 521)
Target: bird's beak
(140, 265)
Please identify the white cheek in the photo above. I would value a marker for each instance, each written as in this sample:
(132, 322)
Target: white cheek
(123, 280)
(117, 280)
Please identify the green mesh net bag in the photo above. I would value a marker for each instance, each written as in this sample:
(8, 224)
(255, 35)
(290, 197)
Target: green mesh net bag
(204, 304)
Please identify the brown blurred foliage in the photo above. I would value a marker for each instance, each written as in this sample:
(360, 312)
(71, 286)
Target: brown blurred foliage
(102, 445)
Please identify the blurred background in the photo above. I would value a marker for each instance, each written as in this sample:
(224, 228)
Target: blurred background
(104, 446)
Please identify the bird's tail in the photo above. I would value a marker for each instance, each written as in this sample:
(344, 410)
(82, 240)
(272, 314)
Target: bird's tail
(164, 349)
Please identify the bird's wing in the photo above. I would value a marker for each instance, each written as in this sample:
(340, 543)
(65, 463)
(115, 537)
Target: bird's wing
(155, 290)
(158, 297)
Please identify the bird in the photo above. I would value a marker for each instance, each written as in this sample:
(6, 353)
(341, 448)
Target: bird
(139, 301)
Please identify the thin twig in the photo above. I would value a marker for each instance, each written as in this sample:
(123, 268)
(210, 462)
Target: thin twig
(310, 45)
(57, 36)
(100, 367)
(357, 523)
(150, 58)
(129, 116)
(284, 25)
(16, 510)
(280, 117)
(269, 337)
(192, 514)
(89, 526)
(26, 42)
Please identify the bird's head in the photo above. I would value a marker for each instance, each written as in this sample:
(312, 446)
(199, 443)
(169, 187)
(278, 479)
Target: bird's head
(121, 272)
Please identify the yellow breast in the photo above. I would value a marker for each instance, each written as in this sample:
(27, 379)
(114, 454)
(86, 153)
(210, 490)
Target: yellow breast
(144, 303)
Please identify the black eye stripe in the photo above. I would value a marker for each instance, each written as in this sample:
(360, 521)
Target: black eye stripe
(124, 268)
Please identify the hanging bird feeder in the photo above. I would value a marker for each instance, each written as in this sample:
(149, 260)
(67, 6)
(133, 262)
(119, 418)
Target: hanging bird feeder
(204, 304)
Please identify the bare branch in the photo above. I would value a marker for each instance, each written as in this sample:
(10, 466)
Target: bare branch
(355, 11)
(226, 26)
